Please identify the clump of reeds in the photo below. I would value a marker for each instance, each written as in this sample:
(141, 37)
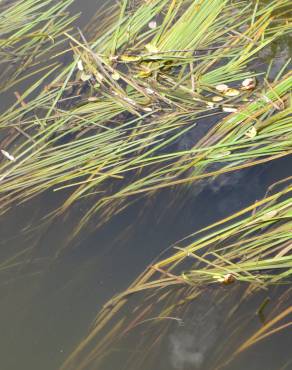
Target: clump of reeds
(248, 251)
(31, 38)
(104, 129)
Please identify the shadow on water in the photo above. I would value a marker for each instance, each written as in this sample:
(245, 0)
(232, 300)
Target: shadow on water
(48, 305)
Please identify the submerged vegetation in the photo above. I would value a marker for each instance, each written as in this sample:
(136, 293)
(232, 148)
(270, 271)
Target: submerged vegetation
(105, 127)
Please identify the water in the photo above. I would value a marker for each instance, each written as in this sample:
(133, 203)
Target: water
(48, 305)
(206, 338)
(44, 316)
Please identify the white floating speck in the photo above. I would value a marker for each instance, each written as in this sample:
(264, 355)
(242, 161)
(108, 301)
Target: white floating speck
(152, 25)
(222, 87)
(116, 76)
(8, 156)
(149, 91)
(80, 65)
(229, 109)
(248, 84)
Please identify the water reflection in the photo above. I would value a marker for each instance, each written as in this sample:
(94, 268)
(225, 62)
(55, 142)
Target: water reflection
(191, 343)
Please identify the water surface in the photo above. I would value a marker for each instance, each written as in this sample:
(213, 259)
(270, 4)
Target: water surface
(48, 304)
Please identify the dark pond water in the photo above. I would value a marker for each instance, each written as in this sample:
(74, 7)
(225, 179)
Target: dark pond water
(47, 306)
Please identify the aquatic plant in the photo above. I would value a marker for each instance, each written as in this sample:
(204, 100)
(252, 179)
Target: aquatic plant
(105, 129)
(31, 38)
(245, 252)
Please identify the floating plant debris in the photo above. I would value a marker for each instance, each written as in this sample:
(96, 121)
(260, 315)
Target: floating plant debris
(80, 65)
(248, 84)
(217, 98)
(222, 87)
(231, 92)
(251, 132)
(152, 25)
(8, 155)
